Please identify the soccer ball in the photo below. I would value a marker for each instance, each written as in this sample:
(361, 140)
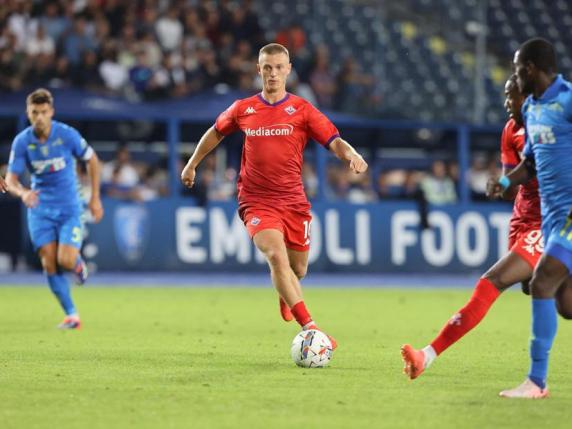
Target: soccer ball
(311, 349)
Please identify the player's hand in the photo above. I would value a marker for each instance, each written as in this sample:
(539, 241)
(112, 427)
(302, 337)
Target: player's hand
(494, 188)
(31, 198)
(188, 176)
(3, 185)
(358, 164)
(96, 209)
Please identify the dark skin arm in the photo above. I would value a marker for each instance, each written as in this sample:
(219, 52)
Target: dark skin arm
(520, 174)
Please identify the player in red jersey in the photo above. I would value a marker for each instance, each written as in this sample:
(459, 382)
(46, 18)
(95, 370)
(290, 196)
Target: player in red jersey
(525, 244)
(271, 198)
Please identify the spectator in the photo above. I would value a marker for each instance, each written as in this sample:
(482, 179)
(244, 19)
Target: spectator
(120, 177)
(321, 78)
(437, 186)
(113, 74)
(353, 88)
(41, 43)
(169, 30)
(78, 42)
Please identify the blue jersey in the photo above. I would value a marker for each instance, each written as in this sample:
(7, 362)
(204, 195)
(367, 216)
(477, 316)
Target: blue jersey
(548, 122)
(51, 164)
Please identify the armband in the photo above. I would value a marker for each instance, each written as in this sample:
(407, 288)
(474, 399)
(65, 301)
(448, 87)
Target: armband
(504, 182)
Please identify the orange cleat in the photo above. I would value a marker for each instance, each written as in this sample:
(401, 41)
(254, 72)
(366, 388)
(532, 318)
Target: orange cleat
(527, 390)
(70, 322)
(332, 339)
(414, 361)
(285, 311)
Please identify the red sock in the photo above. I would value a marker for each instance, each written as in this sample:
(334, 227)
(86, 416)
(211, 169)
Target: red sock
(468, 317)
(301, 314)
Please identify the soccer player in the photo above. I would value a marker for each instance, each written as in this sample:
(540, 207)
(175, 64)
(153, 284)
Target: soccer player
(49, 149)
(525, 244)
(271, 198)
(547, 114)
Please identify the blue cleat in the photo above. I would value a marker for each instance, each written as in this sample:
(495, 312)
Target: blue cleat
(81, 273)
(70, 322)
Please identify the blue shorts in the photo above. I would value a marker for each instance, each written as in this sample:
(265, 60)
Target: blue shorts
(63, 226)
(559, 243)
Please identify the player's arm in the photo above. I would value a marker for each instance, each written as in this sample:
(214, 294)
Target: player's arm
(93, 166)
(29, 197)
(505, 185)
(345, 152)
(210, 139)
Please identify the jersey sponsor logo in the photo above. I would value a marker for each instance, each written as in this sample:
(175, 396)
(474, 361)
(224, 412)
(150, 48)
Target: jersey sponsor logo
(541, 134)
(271, 130)
(290, 110)
(49, 165)
(249, 110)
(255, 221)
(557, 107)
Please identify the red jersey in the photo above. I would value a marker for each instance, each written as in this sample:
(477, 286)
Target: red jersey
(526, 210)
(272, 155)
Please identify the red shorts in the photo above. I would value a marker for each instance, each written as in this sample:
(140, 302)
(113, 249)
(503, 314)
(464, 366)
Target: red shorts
(293, 224)
(529, 245)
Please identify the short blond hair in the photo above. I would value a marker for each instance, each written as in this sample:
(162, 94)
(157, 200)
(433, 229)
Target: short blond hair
(40, 96)
(274, 48)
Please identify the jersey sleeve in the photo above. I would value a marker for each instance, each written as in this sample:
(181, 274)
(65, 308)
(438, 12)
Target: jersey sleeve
(511, 144)
(78, 145)
(226, 122)
(319, 127)
(527, 152)
(17, 162)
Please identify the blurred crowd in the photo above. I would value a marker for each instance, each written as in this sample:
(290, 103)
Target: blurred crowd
(152, 49)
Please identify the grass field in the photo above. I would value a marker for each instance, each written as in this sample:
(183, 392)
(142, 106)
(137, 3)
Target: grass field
(198, 358)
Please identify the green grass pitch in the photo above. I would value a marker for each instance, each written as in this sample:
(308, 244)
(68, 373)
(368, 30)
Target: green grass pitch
(220, 358)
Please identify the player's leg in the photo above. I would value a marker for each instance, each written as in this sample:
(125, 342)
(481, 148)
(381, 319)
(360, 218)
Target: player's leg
(43, 230)
(510, 269)
(271, 243)
(70, 237)
(299, 264)
(564, 299)
(549, 274)
(59, 284)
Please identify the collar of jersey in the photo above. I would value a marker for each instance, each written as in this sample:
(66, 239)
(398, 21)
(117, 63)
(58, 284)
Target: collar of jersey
(273, 104)
(554, 89)
(37, 140)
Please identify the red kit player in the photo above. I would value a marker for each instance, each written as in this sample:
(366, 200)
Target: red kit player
(272, 203)
(525, 244)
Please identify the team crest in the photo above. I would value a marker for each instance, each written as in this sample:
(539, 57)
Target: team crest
(44, 149)
(290, 110)
(131, 224)
(255, 221)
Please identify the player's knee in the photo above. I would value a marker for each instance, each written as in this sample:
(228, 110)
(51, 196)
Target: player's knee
(275, 257)
(300, 270)
(66, 261)
(49, 264)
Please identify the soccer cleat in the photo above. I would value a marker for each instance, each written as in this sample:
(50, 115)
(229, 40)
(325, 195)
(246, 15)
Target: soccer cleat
(527, 390)
(285, 311)
(332, 339)
(70, 322)
(81, 273)
(414, 361)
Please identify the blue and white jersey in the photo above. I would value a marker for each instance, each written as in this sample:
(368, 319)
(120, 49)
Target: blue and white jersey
(51, 164)
(548, 122)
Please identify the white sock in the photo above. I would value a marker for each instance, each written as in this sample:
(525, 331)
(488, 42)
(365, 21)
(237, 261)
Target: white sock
(307, 325)
(430, 355)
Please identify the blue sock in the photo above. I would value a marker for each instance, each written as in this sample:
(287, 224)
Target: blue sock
(61, 288)
(544, 325)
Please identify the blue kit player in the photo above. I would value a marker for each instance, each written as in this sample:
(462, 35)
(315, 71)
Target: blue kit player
(48, 150)
(547, 115)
